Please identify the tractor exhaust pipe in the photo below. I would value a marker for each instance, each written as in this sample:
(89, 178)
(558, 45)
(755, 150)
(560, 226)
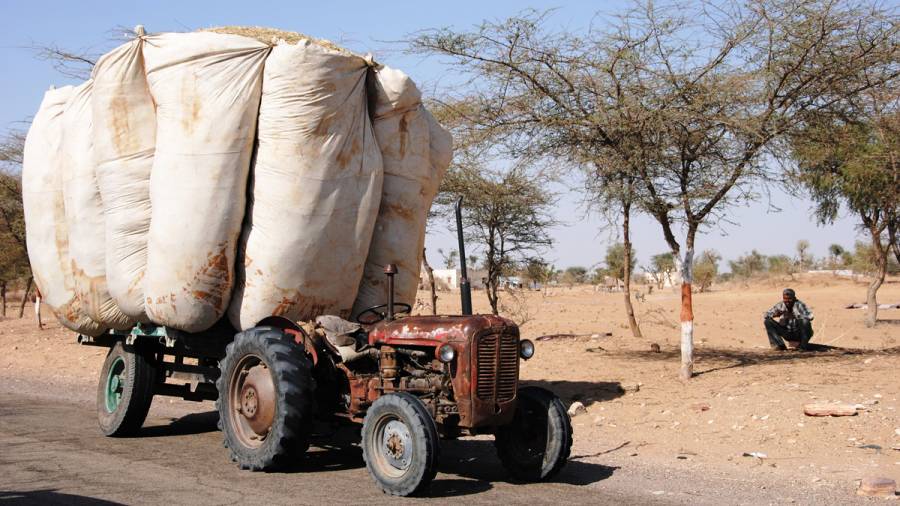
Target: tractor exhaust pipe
(465, 289)
(390, 270)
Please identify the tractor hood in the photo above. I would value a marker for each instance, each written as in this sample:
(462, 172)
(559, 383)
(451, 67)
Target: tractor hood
(434, 330)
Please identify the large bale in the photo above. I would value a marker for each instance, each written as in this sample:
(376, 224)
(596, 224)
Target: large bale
(84, 213)
(416, 153)
(316, 186)
(124, 137)
(206, 87)
(46, 229)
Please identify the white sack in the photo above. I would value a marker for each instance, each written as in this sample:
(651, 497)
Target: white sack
(124, 141)
(206, 87)
(316, 188)
(46, 230)
(416, 152)
(84, 213)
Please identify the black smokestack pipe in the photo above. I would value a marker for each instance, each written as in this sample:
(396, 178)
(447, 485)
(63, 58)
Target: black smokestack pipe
(465, 290)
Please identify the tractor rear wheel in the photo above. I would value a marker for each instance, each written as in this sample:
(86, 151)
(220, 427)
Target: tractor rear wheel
(400, 444)
(125, 390)
(265, 399)
(537, 443)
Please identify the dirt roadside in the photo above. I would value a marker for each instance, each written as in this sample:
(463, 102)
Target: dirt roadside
(639, 418)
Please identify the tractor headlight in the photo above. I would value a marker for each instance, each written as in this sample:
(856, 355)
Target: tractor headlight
(446, 353)
(526, 349)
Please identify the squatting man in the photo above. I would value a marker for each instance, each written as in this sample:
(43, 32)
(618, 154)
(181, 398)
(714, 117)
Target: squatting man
(794, 326)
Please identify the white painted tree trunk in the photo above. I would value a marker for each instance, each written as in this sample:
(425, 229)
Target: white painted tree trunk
(687, 315)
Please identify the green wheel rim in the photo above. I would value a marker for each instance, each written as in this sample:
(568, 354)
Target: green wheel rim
(115, 383)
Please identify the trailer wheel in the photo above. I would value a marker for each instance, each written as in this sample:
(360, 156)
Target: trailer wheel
(400, 444)
(536, 444)
(125, 390)
(265, 396)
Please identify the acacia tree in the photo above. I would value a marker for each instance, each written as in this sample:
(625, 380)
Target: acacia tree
(662, 266)
(619, 264)
(683, 105)
(506, 215)
(707, 269)
(852, 160)
(13, 252)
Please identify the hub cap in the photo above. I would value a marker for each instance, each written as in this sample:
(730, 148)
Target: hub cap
(252, 396)
(115, 383)
(395, 446)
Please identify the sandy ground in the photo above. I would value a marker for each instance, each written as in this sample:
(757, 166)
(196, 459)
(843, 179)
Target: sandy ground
(744, 398)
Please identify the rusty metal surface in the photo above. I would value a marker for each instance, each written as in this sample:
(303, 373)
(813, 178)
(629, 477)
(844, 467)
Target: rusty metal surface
(463, 333)
(432, 330)
(257, 400)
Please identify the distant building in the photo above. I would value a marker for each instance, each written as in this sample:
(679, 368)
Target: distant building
(666, 280)
(448, 279)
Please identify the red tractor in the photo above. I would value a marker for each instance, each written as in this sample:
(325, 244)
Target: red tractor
(409, 380)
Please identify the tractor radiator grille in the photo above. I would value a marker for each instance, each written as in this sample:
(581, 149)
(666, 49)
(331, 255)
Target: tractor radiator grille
(497, 367)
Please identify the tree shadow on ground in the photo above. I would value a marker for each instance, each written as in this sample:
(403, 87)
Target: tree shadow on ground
(194, 423)
(15, 498)
(586, 392)
(730, 358)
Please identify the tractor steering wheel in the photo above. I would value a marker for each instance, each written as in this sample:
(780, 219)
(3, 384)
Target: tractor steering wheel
(377, 315)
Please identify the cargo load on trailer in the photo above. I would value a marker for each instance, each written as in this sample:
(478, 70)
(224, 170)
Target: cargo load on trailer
(230, 175)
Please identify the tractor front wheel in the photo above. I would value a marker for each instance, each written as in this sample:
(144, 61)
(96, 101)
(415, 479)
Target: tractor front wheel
(537, 443)
(400, 444)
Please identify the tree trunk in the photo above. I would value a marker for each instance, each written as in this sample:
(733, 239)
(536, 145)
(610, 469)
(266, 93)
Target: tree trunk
(3, 297)
(430, 273)
(687, 314)
(882, 256)
(25, 297)
(629, 309)
(492, 294)
(894, 237)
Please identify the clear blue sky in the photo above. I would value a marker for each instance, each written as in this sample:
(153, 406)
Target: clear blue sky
(373, 27)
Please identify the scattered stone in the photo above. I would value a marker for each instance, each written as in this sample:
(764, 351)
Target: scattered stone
(877, 487)
(700, 406)
(576, 409)
(829, 409)
(758, 455)
(897, 431)
(870, 447)
(630, 387)
(654, 348)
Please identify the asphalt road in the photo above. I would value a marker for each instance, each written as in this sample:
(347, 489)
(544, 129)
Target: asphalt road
(51, 451)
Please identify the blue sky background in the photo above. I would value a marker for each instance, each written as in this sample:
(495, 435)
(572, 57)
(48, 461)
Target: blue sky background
(375, 27)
